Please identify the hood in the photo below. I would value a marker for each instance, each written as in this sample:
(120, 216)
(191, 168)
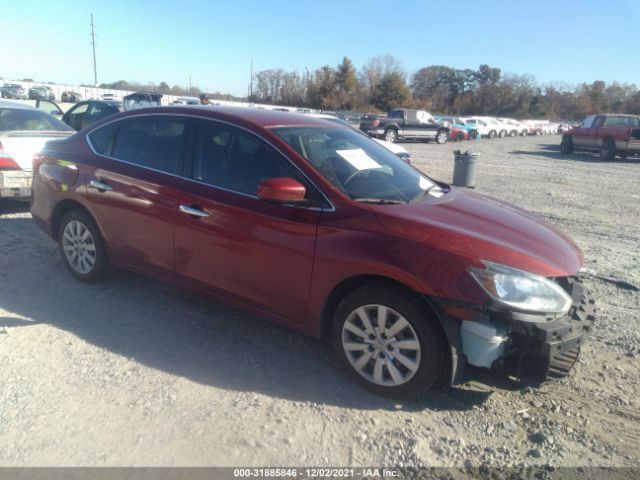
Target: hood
(484, 228)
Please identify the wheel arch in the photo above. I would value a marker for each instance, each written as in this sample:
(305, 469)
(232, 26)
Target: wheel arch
(61, 209)
(452, 368)
(351, 284)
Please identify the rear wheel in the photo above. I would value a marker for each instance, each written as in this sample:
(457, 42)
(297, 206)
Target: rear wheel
(459, 137)
(513, 133)
(388, 342)
(473, 135)
(492, 134)
(608, 150)
(502, 134)
(441, 137)
(82, 247)
(391, 135)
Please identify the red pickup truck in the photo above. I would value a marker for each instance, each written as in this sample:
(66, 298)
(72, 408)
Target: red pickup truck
(610, 134)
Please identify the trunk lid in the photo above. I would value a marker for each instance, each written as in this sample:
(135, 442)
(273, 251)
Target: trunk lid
(22, 145)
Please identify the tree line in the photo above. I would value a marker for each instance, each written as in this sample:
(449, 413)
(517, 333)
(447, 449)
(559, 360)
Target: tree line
(381, 85)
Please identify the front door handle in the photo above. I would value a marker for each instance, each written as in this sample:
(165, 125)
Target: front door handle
(194, 212)
(101, 186)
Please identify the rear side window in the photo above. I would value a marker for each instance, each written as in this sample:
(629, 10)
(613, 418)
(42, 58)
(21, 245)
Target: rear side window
(102, 138)
(155, 142)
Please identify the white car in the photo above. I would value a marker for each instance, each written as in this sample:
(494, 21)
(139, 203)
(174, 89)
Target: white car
(23, 132)
(398, 150)
(515, 127)
(482, 126)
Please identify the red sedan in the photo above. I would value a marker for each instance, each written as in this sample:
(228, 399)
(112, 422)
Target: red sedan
(320, 229)
(458, 134)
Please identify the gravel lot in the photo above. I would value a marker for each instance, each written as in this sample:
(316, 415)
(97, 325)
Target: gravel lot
(134, 372)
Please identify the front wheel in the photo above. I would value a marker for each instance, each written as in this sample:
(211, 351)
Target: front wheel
(388, 342)
(473, 135)
(566, 146)
(503, 133)
(82, 247)
(391, 135)
(441, 137)
(492, 134)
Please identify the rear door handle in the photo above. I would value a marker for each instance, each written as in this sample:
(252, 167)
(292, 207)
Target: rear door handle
(194, 212)
(102, 186)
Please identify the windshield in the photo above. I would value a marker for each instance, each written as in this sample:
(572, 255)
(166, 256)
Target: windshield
(356, 165)
(23, 119)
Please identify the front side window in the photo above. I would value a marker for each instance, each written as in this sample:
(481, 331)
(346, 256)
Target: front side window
(155, 142)
(587, 122)
(236, 160)
(356, 165)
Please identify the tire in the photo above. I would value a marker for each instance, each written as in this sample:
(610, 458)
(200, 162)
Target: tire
(566, 146)
(608, 150)
(441, 137)
(473, 135)
(459, 137)
(502, 134)
(492, 134)
(373, 358)
(524, 133)
(391, 135)
(513, 133)
(82, 247)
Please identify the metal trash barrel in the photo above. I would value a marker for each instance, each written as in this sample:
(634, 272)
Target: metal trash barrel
(464, 168)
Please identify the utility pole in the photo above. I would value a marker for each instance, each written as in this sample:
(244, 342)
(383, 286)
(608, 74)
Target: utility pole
(251, 82)
(93, 45)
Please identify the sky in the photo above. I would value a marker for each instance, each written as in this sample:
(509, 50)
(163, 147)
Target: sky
(214, 42)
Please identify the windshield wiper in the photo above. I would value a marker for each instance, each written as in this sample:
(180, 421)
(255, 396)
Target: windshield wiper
(422, 194)
(380, 201)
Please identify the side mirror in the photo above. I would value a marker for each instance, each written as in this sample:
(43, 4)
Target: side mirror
(281, 190)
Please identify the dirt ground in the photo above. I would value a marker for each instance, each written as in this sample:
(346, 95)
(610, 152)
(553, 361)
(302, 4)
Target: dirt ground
(133, 372)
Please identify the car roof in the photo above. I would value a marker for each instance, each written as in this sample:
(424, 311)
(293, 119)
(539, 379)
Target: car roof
(15, 104)
(258, 117)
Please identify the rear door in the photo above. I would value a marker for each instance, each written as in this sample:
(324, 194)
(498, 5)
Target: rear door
(237, 246)
(133, 191)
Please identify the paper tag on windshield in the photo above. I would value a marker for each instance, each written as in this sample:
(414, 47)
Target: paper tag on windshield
(359, 159)
(424, 183)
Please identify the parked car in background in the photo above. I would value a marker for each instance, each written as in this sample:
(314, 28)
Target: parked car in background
(405, 124)
(141, 100)
(186, 101)
(41, 92)
(396, 149)
(515, 127)
(23, 131)
(82, 114)
(609, 134)
(481, 125)
(458, 134)
(13, 90)
(322, 230)
(458, 122)
(70, 96)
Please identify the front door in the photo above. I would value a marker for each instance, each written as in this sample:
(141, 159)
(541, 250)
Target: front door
(229, 242)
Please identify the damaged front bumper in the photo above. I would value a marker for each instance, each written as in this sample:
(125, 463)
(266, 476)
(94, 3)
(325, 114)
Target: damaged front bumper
(528, 348)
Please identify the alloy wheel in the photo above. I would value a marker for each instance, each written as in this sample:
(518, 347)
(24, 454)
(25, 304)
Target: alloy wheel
(79, 247)
(381, 345)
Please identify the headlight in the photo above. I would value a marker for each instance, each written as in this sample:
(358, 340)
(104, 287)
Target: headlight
(521, 290)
